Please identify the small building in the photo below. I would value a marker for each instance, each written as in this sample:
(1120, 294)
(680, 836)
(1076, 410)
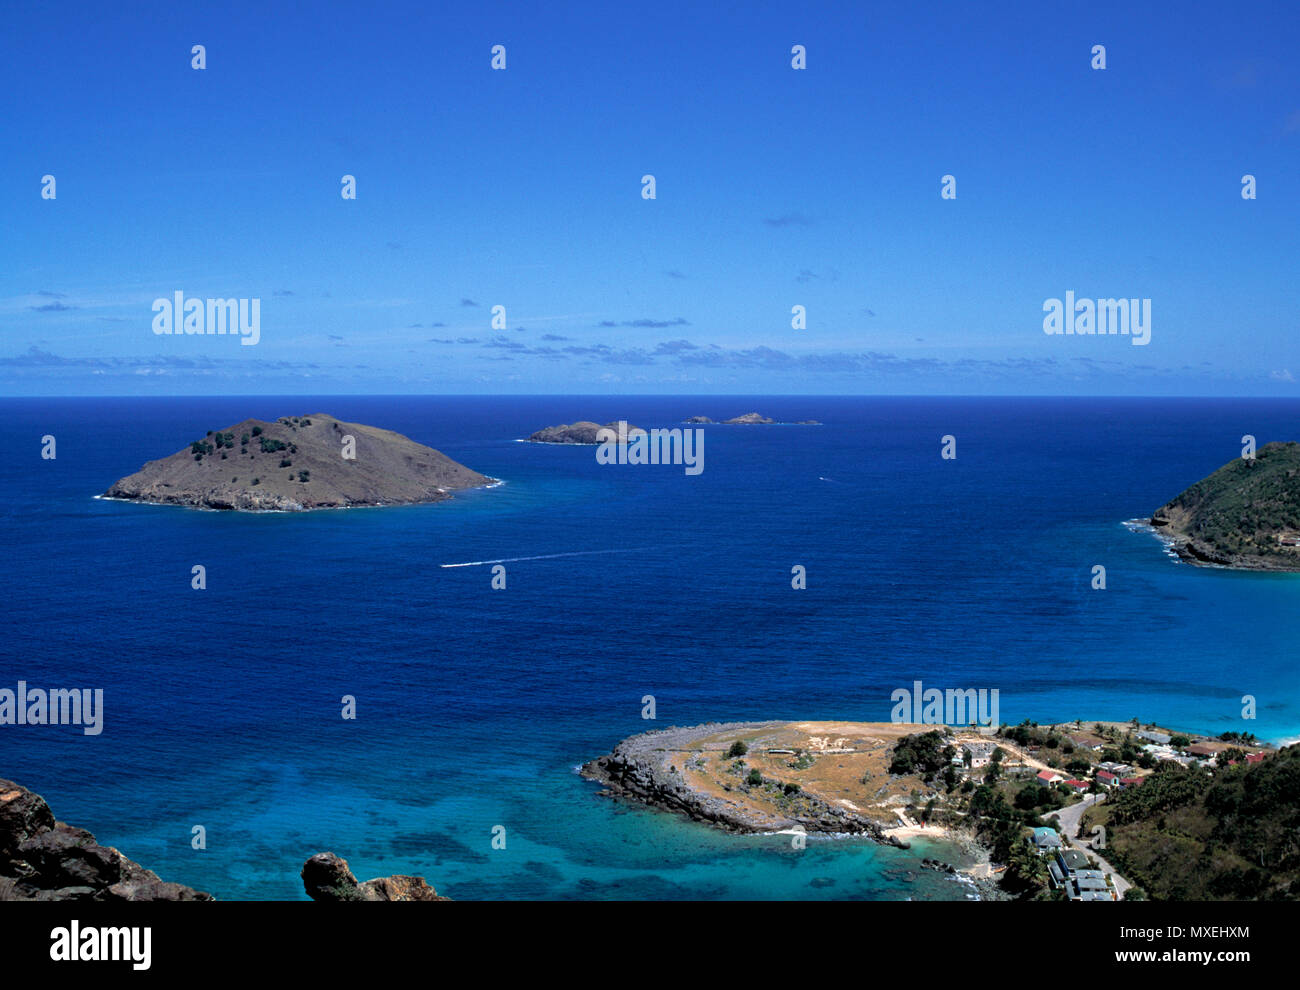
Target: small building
(1125, 782)
(1106, 778)
(1204, 749)
(1057, 876)
(1089, 885)
(1045, 840)
(980, 753)
(1159, 738)
(1119, 769)
(1048, 777)
(1078, 786)
(1064, 864)
(1072, 861)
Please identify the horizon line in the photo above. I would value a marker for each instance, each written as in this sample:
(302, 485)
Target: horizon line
(640, 395)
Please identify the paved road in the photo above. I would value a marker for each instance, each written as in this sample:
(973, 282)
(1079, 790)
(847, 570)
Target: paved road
(1069, 818)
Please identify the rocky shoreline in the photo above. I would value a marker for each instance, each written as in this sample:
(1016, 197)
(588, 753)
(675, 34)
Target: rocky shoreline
(1198, 554)
(42, 859)
(646, 769)
(326, 877)
(642, 768)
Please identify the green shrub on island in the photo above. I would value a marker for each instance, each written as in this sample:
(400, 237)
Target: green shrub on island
(754, 779)
(1035, 796)
(802, 760)
(738, 748)
(1026, 874)
(997, 824)
(924, 753)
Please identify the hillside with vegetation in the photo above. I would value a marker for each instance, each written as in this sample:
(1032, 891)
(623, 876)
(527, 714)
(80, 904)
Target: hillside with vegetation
(1189, 835)
(1244, 515)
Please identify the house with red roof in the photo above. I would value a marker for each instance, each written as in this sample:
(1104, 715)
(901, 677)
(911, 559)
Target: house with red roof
(1106, 778)
(1049, 777)
(1250, 758)
(1079, 786)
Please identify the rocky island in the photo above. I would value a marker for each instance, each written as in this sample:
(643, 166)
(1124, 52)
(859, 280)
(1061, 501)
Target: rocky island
(42, 859)
(326, 877)
(1246, 515)
(582, 432)
(297, 463)
(750, 419)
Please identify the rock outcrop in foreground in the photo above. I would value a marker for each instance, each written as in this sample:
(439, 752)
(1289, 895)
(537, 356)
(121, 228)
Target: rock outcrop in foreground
(583, 431)
(42, 859)
(298, 463)
(326, 877)
(1245, 515)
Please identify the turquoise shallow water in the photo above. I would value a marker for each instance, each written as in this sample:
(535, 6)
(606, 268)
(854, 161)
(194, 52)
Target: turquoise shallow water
(222, 706)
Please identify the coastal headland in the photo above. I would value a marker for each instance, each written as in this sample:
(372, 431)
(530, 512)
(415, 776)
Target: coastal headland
(1010, 795)
(769, 776)
(1244, 516)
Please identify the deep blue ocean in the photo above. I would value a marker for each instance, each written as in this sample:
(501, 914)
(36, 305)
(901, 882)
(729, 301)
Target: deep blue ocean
(222, 706)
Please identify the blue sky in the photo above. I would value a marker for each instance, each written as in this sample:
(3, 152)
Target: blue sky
(775, 188)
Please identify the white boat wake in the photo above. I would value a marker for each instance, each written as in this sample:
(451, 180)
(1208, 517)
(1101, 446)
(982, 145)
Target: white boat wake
(544, 556)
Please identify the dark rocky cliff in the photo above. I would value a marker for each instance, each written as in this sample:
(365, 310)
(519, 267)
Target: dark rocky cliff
(42, 859)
